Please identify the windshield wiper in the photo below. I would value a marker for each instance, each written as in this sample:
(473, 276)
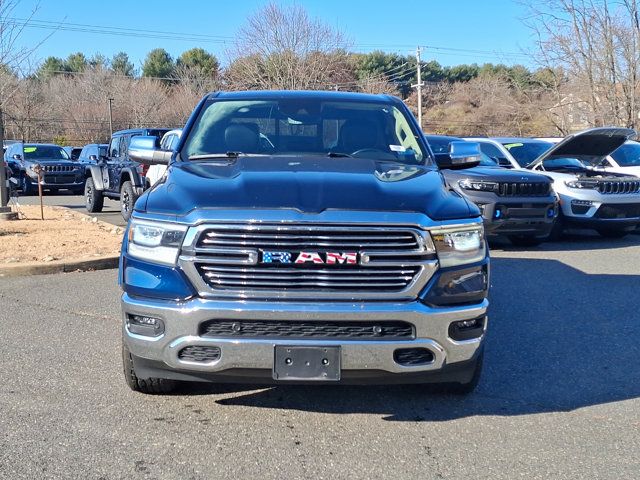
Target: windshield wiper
(338, 155)
(208, 156)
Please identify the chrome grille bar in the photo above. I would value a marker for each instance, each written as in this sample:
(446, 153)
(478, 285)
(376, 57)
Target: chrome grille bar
(225, 261)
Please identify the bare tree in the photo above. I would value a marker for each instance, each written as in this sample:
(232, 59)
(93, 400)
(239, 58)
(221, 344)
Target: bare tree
(12, 58)
(281, 47)
(596, 42)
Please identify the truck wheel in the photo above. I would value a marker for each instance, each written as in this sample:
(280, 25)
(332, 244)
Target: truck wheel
(146, 385)
(612, 233)
(26, 187)
(470, 386)
(525, 240)
(127, 200)
(94, 201)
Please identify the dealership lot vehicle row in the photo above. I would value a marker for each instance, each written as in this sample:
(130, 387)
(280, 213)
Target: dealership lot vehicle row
(560, 395)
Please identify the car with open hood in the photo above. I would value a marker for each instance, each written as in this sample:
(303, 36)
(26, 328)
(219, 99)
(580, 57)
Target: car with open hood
(592, 197)
(302, 237)
(59, 172)
(520, 205)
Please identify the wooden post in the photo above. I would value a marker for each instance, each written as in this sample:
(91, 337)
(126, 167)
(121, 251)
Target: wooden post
(38, 170)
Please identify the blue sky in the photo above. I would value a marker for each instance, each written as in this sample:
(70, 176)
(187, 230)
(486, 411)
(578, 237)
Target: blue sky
(469, 29)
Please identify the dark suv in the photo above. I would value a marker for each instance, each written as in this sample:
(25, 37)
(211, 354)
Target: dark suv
(59, 172)
(116, 176)
(521, 205)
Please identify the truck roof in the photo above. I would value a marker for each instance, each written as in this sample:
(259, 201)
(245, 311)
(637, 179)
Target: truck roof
(310, 94)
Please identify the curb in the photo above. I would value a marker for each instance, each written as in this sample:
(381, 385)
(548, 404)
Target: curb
(63, 266)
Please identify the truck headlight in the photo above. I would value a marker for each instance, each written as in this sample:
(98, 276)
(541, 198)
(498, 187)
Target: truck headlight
(589, 184)
(155, 242)
(479, 186)
(460, 246)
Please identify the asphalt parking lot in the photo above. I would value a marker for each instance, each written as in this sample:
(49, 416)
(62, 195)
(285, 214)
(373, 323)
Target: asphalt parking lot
(559, 398)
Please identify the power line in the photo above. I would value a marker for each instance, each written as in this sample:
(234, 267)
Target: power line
(114, 31)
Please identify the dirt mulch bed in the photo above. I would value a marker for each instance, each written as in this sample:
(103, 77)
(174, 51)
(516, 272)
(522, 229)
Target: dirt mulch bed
(63, 236)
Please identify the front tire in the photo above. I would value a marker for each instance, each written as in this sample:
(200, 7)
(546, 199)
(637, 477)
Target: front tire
(557, 232)
(25, 186)
(468, 387)
(94, 201)
(525, 240)
(150, 386)
(128, 199)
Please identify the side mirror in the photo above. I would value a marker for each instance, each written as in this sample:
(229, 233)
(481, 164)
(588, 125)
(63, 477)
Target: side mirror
(93, 158)
(461, 155)
(17, 156)
(144, 150)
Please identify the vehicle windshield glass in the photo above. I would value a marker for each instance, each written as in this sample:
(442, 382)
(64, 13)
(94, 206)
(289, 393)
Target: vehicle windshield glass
(527, 152)
(44, 152)
(628, 155)
(304, 126)
(102, 151)
(441, 145)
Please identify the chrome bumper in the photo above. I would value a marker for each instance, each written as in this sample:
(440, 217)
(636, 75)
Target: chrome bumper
(182, 322)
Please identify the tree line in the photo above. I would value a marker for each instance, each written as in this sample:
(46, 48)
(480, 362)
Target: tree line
(584, 73)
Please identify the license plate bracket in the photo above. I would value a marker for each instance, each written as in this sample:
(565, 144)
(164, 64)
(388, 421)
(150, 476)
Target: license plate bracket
(319, 364)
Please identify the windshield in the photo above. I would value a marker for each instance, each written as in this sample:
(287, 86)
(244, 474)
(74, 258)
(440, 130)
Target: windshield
(527, 152)
(304, 126)
(628, 155)
(440, 145)
(44, 152)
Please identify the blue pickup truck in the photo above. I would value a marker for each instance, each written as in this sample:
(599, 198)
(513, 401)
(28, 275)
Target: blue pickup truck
(303, 237)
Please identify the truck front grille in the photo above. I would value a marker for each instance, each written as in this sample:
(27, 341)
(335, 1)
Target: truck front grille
(346, 330)
(523, 189)
(264, 261)
(619, 186)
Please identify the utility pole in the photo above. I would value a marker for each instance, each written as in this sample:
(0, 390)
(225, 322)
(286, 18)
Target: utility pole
(418, 86)
(110, 117)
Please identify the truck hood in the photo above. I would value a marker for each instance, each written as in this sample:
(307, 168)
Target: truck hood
(594, 144)
(309, 184)
(495, 174)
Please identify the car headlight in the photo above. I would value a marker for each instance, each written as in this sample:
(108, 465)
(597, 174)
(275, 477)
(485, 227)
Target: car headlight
(589, 184)
(155, 242)
(480, 186)
(460, 246)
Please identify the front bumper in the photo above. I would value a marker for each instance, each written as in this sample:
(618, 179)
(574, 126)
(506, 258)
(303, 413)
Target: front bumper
(593, 210)
(242, 359)
(519, 216)
(57, 183)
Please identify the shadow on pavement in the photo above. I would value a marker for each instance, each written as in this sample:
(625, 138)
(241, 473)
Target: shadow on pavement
(559, 340)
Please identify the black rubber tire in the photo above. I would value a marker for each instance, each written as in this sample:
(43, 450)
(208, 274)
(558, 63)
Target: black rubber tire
(525, 240)
(128, 199)
(557, 232)
(612, 233)
(470, 386)
(150, 386)
(26, 187)
(93, 199)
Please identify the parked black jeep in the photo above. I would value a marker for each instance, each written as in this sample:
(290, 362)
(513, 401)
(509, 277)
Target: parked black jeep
(116, 176)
